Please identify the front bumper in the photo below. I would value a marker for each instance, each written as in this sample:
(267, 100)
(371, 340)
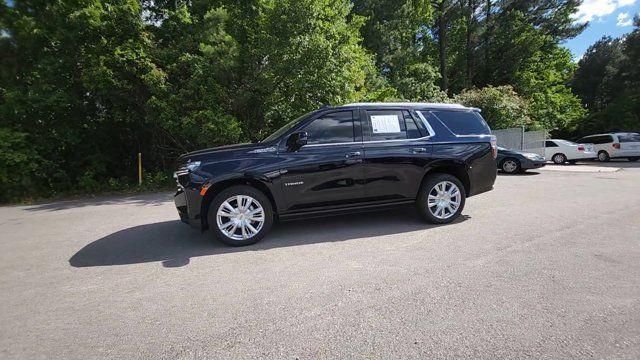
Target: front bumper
(180, 199)
(532, 164)
(188, 200)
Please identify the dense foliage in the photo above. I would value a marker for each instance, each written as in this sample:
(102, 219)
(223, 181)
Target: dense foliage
(87, 84)
(608, 82)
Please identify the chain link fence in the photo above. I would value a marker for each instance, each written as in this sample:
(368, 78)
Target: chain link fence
(517, 138)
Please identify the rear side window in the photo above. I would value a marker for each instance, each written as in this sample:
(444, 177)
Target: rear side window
(334, 127)
(463, 122)
(602, 139)
(550, 144)
(629, 137)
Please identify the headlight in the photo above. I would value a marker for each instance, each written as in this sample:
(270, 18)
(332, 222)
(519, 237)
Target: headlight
(532, 156)
(193, 166)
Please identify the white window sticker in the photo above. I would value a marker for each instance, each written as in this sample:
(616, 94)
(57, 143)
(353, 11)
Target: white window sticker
(385, 124)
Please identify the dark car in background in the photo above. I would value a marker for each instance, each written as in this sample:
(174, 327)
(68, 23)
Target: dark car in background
(515, 161)
(340, 160)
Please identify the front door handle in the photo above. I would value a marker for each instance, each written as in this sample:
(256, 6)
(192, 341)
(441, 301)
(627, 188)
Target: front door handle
(353, 154)
(419, 150)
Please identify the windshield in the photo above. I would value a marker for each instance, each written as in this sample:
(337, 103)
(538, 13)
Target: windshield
(286, 128)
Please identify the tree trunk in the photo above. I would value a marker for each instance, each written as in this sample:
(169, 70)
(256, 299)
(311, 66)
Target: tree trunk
(487, 33)
(470, 21)
(442, 45)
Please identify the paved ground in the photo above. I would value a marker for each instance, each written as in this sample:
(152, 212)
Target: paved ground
(545, 266)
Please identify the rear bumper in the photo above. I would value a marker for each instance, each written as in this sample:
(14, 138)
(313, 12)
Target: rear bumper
(482, 173)
(625, 153)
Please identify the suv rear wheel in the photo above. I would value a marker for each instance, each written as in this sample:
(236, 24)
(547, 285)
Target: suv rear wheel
(240, 215)
(441, 198)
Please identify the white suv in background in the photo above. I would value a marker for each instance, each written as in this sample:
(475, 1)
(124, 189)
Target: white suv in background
(615, 145)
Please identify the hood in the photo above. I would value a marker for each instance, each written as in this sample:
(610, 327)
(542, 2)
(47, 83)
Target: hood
(511, 152)
(220, 151)
(517, 152)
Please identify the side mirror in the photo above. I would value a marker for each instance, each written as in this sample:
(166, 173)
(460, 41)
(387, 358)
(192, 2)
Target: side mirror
(297, 140)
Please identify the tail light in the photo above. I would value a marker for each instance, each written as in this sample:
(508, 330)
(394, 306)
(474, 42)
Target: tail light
(494, 146)
(580, 147)
(616, 146)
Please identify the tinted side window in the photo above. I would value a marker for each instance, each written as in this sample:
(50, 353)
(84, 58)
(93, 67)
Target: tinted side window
(629, 138)
(550, 144)
(463, 122)
(334, 127)
(604, 139)
(387, 124)
(413, 132)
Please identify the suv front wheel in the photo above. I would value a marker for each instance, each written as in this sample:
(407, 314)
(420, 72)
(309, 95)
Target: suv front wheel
(240, 215)
(441, 198)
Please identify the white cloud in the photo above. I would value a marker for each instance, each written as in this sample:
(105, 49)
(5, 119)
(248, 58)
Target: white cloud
(624, 19)
(595, 9)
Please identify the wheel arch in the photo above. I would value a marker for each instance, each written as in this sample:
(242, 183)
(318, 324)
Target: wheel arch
(457, 170)
(219, 186)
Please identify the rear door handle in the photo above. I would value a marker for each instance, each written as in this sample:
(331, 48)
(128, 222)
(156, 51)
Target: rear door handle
(353, 154)
(418, 150)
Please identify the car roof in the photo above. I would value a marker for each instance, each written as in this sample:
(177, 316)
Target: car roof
(410, 105)
(613, 133)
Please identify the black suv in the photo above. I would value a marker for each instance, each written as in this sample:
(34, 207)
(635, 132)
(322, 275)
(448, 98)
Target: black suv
(340, 159)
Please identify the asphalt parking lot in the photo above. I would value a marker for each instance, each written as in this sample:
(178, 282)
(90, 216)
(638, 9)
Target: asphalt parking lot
(545, 266)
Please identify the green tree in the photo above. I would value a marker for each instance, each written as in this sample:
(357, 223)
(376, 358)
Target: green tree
(295, 56)
(397, 33)
(608, 81)
(76, 77)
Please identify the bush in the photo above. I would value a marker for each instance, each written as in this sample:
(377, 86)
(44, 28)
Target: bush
(501, 106)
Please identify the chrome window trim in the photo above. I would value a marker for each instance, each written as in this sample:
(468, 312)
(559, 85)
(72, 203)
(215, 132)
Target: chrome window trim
(420, 115)
(332, 144)
(426, 123)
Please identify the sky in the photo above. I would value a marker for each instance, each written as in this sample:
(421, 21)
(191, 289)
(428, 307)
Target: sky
(606, 17)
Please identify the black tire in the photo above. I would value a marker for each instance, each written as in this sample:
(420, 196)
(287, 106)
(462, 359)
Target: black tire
(428, 186)
(515, 167)
(559, 158)
(226, 194)
(603, 156)
(633, 159)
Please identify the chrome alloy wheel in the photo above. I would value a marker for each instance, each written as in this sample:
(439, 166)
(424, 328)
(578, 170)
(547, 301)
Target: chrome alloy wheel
(444, 199)
(240, 217)
(509, 166)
